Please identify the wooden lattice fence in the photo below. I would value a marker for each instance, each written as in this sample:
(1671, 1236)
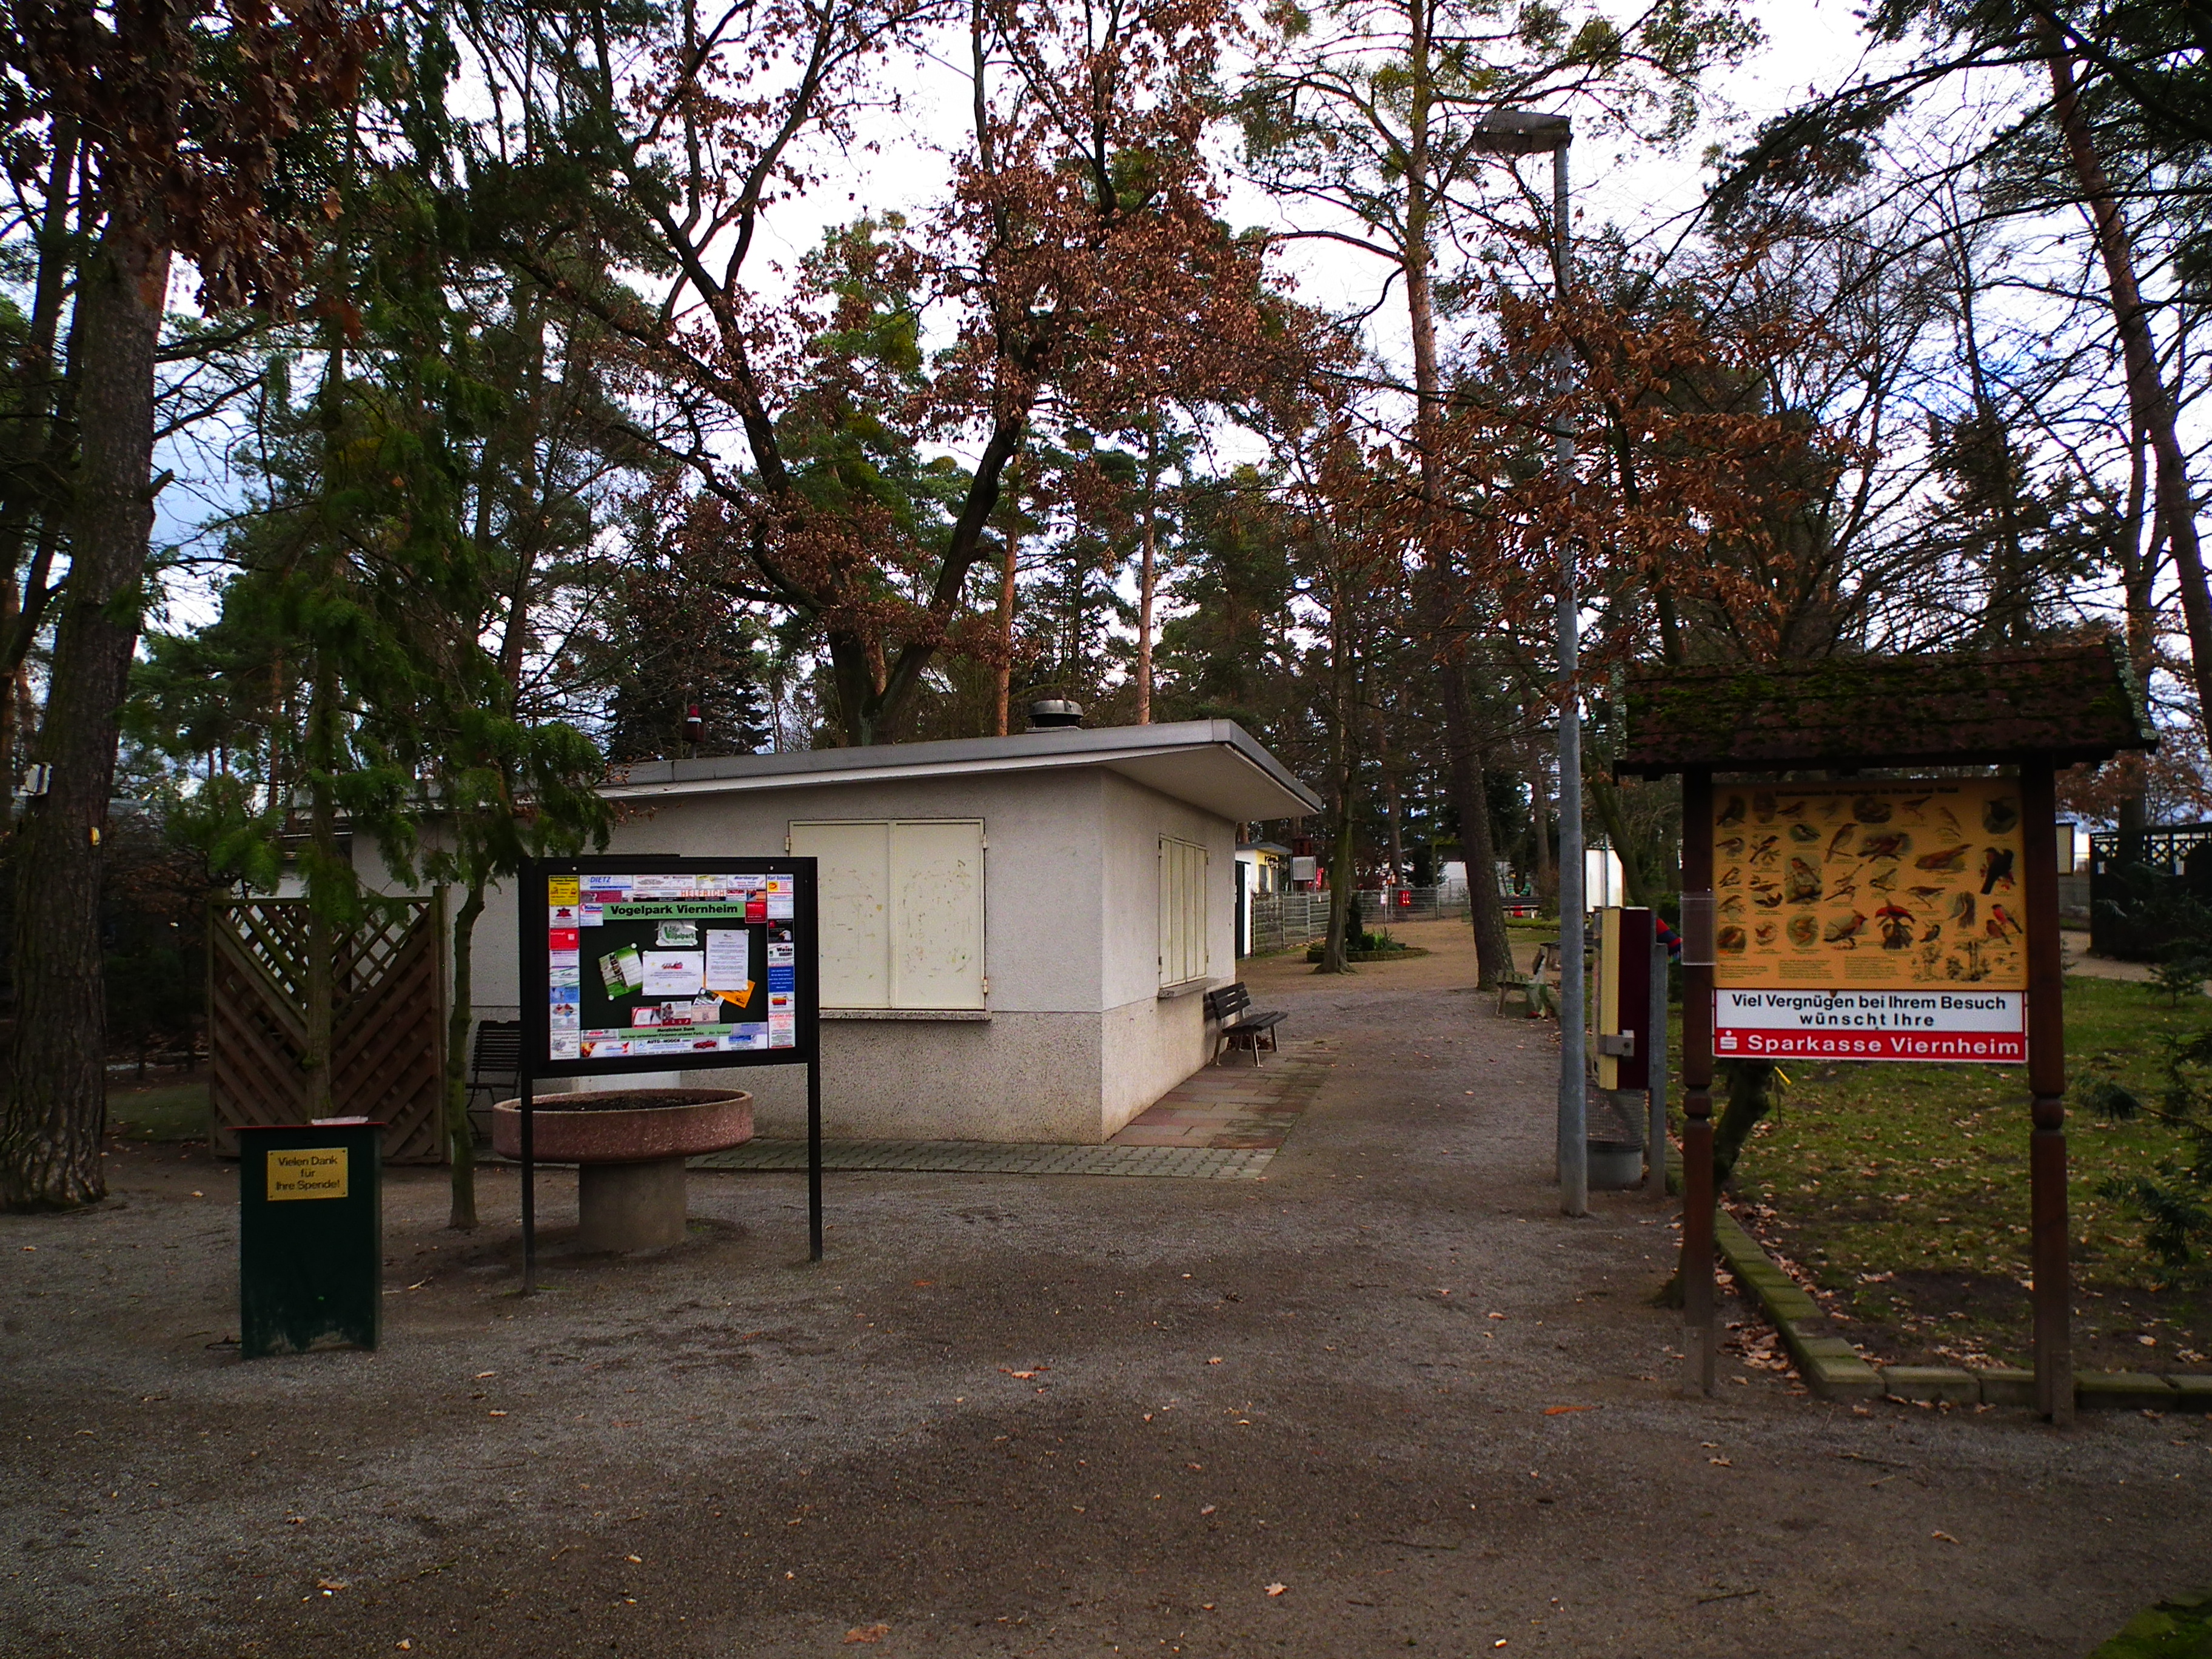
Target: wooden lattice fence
(388, 1052)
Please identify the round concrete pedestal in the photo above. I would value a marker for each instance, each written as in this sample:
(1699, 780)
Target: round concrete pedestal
(629, 1146)
(630, 1207)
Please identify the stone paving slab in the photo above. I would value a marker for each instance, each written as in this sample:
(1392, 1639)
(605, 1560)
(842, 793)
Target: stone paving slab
(1183, 1162)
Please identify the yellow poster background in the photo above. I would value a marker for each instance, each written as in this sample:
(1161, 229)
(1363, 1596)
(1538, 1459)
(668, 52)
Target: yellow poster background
(1823, 886)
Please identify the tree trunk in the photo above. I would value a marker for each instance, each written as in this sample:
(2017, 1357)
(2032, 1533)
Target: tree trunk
(1540, 814)
(1144, 576)
(1493, 948)
(1343, 871)
(2148, 401)
(57, 1099)
(460, 1139)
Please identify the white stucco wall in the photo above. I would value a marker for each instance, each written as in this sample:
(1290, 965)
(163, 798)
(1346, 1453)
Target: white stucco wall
(1078, 1040)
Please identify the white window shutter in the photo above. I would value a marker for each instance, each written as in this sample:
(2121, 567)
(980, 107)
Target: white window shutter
(852, 889)
(936, 914)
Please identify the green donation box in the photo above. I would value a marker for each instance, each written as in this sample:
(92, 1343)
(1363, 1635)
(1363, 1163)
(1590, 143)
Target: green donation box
(310, 1235)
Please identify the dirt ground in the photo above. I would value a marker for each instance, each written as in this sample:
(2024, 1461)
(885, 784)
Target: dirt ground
(1385, 1398)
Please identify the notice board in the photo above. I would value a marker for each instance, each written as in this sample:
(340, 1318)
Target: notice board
(1870, 920)
(641, 964)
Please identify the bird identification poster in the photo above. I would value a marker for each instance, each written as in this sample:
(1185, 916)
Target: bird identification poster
(1862, 921)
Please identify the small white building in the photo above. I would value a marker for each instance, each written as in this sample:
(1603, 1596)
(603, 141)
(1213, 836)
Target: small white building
(1015, 931)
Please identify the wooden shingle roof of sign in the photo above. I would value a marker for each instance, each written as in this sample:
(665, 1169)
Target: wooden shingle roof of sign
(2072, 703)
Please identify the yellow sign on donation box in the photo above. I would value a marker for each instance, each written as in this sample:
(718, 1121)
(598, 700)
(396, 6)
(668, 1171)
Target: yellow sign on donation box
(308, 1172)
(1854, 885)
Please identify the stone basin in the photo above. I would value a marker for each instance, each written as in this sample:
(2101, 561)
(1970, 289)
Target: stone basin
(629, 1146)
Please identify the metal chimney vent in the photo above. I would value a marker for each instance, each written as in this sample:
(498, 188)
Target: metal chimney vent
(1050, 712)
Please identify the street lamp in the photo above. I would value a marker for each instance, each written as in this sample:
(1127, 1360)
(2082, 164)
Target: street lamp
(1511, 133)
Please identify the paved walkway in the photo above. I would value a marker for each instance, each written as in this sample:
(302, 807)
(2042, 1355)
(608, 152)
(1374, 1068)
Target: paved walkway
(1385, 1400)
(1224, 1124)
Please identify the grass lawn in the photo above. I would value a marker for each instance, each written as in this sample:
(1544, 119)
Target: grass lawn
(162, 1111)
(1900, 1194)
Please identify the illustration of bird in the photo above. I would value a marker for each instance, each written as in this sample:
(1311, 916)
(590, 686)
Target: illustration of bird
(1803, 832)
(1999, 814)
(1762, 807)
(1917, 806)
(1732, 813)
(1996, 868)
(1732, 877)
(1884, 881)
(1934, 931)
(1804, 884)
(1843, 840)
(1943, 859)
(1804, 930)
(1732, 907)
(1846, 932)
(1766, 896)
(1765, 931)
(1896, 926)
(1950, 821)
(1896, 844)
(1923, 894)
(2001, 922)
(1731, 939)
(1871, 809)
(1732, 848)
(1962, 910)
(1789, 808)
(1765, 850)
(1847, 887)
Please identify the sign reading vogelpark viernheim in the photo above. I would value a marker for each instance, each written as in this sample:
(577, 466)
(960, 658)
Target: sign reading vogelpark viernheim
(1870, 920)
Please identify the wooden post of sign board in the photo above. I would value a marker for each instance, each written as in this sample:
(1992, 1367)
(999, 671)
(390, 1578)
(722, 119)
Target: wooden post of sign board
(2046, 1086)
(1698, 1196)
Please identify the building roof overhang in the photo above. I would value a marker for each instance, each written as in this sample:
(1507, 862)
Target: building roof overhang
(1216, 766)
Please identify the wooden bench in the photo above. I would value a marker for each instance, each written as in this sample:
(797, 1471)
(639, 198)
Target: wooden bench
(1533, 988)
(495, 1068)
(1231, 1010)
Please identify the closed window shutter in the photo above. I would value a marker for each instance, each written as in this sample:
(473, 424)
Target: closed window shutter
(936, 914)
(901, 909)
(852, 891)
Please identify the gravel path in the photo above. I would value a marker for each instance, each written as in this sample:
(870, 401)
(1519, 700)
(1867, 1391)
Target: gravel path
(1036, 1415)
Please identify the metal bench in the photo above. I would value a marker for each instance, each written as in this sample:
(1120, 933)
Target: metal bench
(1235, 1024)
(495, 1068)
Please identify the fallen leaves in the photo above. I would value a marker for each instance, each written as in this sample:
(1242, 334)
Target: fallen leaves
(1277, 1590)
(1035, 1371)
(1943, 1537)
(865, 1633)
(1561, 1411)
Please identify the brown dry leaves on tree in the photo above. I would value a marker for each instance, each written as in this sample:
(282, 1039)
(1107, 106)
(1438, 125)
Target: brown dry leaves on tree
(190, 108)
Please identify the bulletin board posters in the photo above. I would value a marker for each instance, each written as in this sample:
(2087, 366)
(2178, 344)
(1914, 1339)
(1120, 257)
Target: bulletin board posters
(644, 964)
(1870, 920)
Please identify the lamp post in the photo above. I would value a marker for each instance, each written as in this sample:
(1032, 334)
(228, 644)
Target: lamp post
(1521, 133)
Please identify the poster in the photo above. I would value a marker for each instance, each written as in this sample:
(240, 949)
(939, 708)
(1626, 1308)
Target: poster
(1828, 885)
(656, 967)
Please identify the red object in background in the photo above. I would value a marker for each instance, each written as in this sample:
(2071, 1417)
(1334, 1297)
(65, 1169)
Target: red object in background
(756, 908)
(562, 938)
(1404, 898)
(695, 725)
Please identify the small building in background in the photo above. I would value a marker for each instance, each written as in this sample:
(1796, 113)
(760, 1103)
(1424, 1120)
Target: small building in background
(1014, 932)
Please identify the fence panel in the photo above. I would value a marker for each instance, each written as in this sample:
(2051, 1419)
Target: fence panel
(388, 1041)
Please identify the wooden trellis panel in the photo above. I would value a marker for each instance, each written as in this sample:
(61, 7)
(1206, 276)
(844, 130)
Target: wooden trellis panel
(388, 1049)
